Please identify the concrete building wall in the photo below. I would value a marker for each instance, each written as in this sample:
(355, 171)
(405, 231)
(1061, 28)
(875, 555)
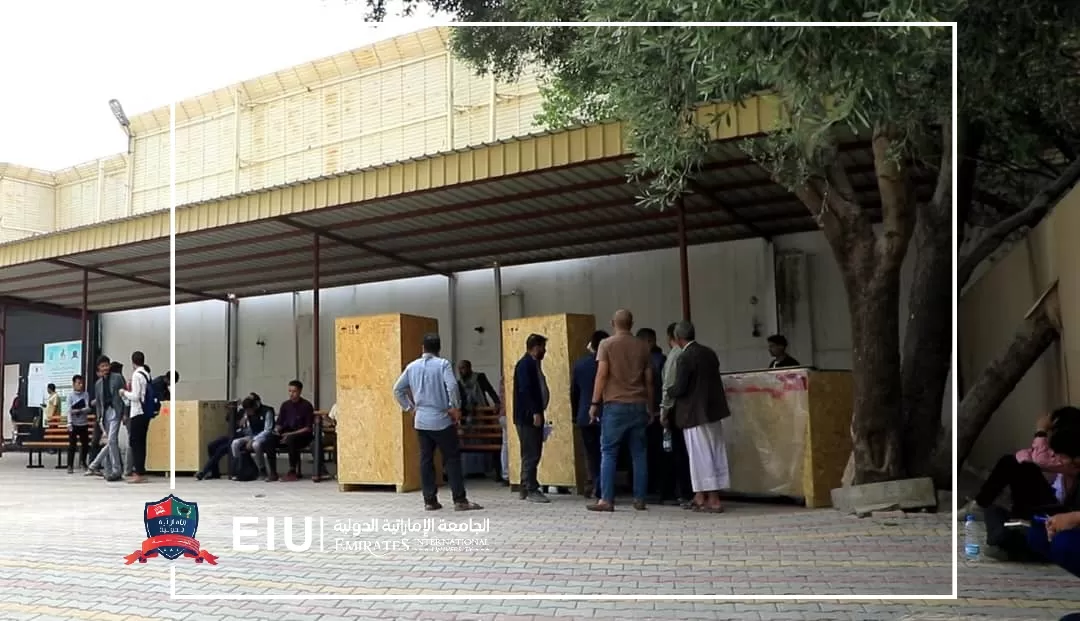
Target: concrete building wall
(27, 206)
(990, 312)
(733, 294)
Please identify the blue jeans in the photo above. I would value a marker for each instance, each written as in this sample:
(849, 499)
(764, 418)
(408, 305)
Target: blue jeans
(1063, 551)
(623, 422)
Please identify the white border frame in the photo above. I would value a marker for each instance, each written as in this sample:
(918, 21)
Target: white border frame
(173, 595)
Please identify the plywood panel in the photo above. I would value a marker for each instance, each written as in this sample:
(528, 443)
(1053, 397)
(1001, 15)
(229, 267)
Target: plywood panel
(197, 424)
(413, 329)
(828, 435)
(376, 441)
(567, 334)
(766, 433)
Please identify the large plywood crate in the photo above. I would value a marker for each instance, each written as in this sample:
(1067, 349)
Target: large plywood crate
(376, 442)
(562, 463)
(197, 424)
(789, 433)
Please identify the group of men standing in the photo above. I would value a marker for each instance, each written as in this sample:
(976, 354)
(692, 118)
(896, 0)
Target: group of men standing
(117, 403)
(624, 392)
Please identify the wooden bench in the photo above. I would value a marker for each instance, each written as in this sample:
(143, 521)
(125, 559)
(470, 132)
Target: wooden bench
(482, 432)
(323, 447)
(56, 438)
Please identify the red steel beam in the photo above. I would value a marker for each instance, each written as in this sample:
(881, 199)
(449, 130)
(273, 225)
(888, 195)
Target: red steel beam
(386, 254)
(85, 324)
(315, 294)
(137, 280)
(684, 262)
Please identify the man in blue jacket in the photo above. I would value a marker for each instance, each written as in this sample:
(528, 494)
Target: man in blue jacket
(530, 401)
(581, 390)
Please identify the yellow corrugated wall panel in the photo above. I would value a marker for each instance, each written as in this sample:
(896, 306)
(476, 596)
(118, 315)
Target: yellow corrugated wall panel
(524, 155)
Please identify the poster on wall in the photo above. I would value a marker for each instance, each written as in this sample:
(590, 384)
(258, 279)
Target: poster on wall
(35, 385)
(62, 361)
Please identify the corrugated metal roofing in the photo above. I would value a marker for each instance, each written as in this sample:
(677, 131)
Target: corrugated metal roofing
(380, 224)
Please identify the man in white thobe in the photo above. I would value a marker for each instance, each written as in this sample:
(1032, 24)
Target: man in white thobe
(700, 407)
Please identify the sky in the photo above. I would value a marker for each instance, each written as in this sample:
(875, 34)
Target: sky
(61, 61)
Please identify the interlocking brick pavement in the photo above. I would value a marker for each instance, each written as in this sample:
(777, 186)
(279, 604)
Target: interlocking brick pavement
(64, 538)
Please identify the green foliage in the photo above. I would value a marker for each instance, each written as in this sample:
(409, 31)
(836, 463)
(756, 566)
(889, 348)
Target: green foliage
(651, 78)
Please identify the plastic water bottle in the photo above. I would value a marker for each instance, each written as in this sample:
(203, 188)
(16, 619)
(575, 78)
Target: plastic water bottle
(667, 441)
(972, 539)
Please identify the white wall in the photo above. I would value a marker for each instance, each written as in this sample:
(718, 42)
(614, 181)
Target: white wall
(200, 344)
(723, 278)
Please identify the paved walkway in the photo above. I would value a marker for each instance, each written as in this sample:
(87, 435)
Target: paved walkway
(64, 538)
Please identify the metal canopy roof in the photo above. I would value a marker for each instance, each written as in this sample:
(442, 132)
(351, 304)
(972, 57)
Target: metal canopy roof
(578, 210)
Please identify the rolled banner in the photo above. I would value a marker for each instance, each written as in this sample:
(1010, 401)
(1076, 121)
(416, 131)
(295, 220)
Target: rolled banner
(151, 546)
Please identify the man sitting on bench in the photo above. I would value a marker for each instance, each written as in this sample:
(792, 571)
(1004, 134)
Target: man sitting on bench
(258, 424)
(293, 429)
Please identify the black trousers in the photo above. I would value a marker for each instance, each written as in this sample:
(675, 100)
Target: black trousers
(294, 446)
(137, 428)
(654, 451)
(675, 467)
(590, 437)
(218, 449)
(79, 434)
(447, 442)
(1030, 490)
(531, 439)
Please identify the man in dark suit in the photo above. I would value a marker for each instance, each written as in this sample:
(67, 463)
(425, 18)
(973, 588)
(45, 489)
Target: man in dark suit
(530, 401)
(581, 389)
(700, 407)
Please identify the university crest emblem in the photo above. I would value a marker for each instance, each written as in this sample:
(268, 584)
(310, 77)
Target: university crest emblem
(171, 525)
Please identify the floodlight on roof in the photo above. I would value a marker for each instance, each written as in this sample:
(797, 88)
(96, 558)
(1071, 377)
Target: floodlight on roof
(118, 112)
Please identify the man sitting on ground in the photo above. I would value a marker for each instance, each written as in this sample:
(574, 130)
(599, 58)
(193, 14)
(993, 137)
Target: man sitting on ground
(1057, 538)
(1041, 479)
(295, 422)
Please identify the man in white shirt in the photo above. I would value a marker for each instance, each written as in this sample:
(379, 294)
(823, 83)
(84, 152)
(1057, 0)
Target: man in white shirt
(139, 420)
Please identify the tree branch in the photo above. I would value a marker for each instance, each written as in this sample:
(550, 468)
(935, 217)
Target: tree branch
(897, 200)
(972, 135)
(1030, 216)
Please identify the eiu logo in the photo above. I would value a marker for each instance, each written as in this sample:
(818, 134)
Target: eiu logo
(171, 525)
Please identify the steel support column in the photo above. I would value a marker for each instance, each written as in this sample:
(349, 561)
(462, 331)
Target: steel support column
(317, 443)
(684, 263)
(84, 330)
(497, 273)
(451, 303)
(232, 349)
(3, 364)
(315, 322)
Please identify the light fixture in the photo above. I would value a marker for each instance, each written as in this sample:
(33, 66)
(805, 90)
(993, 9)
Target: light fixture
(118, 112)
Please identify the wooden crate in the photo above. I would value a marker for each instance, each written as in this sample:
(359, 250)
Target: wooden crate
(197, 423)
(376, 442)
(789, 432)
(562, 463)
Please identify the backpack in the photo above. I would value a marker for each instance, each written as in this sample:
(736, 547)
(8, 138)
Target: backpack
(244, 468)
(151, 405)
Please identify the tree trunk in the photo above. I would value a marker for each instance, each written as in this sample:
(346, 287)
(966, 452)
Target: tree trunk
(994, 385)
(928, 340)
(876, 429)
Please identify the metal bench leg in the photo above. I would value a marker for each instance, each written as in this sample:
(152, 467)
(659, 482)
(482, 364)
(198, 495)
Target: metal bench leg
(60, 458)
(38, 464)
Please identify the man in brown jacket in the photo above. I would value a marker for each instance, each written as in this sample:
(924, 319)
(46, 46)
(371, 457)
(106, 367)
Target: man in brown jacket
(700, 406)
